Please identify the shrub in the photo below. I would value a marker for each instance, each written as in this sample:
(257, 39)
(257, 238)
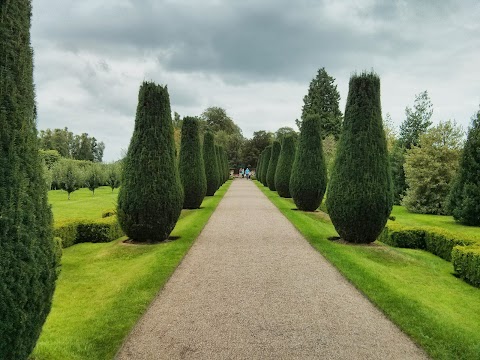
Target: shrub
(28, 256)
(284, 166)
(308, 180)
(272, 165)
(265, 163)
(211, 168)
(108, 213)
(465, 194)
(191, 165)
(151, 196)
(361, 175)
(466, 263)
(403, 237)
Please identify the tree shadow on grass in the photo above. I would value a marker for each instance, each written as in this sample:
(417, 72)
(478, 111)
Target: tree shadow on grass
(133, 242)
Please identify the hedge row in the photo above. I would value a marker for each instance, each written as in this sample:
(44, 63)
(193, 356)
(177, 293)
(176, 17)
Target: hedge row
(466, 262)
(77, 231)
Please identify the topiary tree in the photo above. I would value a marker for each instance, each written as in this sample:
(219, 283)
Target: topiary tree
(465, 193)
(151, 196)
(219, 166)
(360, 194)
(308, 180)
(191, 166)
(284, 166)
(28, 260)
(209, 158)
(265, 163)
(225, 164)
(258, 171)
(272, 165)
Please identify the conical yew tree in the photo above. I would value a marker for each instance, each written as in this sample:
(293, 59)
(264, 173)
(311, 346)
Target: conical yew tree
(191, 166)
(265, 163)
(465, 194)
(211, 168)
(308, 180)
(151, 196)
(284, 166)
(219, 166)
(28, 254)
(258, 171)
(360, 194)
(272, 165)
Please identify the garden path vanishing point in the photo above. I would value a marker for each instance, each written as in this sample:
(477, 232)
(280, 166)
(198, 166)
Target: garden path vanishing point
(252, 287)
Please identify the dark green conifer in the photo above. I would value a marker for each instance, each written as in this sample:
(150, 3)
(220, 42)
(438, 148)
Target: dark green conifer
(191, 166)
(268, 153)
(151, 196)
(308, 180)
(211, 169)
(272, 165)
(284, 166)
(360, 194)
(258, 172)
(465, 193)
(219, 166)
(28, 254)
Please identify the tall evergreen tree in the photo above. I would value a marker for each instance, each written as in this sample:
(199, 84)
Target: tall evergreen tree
(219, 166)
(284, 166)
(308, 180)
(465, 194)
(28, 260)
(323, 99)
(191, 165)
(258, 171)
(211, 169)
(268, 154)
(272, 165)
(151, 196)
(360, 194)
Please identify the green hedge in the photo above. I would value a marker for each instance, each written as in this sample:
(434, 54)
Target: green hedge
(77, 231)
(411, 238)
(466, 262)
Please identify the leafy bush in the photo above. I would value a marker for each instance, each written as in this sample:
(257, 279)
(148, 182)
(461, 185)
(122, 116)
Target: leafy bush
(403, 237)
(284, 166)
(272, 165)
(466, 262)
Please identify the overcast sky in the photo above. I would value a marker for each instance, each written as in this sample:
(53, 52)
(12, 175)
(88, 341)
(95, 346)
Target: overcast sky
(253, 58)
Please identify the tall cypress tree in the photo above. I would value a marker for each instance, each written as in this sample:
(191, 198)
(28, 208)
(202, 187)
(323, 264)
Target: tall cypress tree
(258, 172)
(309, 172)
(191, 166)
(227, 166)
(360, 194)
(284, 166)
(219, 166)
(151, 196)
(272, 165)
(28, 258)
(211, 169)
(265, 163)
(465, 193)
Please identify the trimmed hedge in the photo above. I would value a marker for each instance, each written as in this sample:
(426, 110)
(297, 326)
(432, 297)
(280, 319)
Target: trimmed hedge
(78, 231)
(466, 262)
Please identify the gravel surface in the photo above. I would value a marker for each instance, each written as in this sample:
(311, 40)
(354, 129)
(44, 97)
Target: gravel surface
(252, 287)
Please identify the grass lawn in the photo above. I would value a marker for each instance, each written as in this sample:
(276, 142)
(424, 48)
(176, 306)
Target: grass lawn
(82, 203)
(103, 289)
(414, 288)
(403, 217)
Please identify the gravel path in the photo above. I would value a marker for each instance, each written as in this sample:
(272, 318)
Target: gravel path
(252, 287)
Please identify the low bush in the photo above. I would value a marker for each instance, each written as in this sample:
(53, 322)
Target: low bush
(108, 213)
(411, 238)
(442, 243)
(466, 262)
(82, 230)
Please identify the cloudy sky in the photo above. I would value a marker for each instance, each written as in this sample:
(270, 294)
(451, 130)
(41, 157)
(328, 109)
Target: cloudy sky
(253, 58)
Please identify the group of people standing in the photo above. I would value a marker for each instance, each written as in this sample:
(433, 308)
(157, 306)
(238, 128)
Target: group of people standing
(244, 173)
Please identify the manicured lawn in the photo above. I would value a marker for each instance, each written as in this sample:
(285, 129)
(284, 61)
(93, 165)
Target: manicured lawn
(82, 203)
(412, 287)
(403, 217)
(103, 289)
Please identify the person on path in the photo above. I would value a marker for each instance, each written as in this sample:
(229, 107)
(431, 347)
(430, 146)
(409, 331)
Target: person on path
(247, 173)
(241, 173)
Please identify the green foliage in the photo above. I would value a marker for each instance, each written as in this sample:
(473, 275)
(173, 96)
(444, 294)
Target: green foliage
(191, 165)
(396, 159)
(113, 175)
(266, 161)
(285, 131)
(466, 262)
(151, 196)
(211, 168)
(361, 175)
(417, 120)
(272, 165)
(308, 180)
(94, 177)
(322, 99)
(219, 167)
(284, 166)
(49, 157)
(28, 253)
(329, 145)
(76, 231)
(69, 176)
(253, 147)
(430, 169)
(465, 195)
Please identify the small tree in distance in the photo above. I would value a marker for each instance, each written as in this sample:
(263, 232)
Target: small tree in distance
(114, 173)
